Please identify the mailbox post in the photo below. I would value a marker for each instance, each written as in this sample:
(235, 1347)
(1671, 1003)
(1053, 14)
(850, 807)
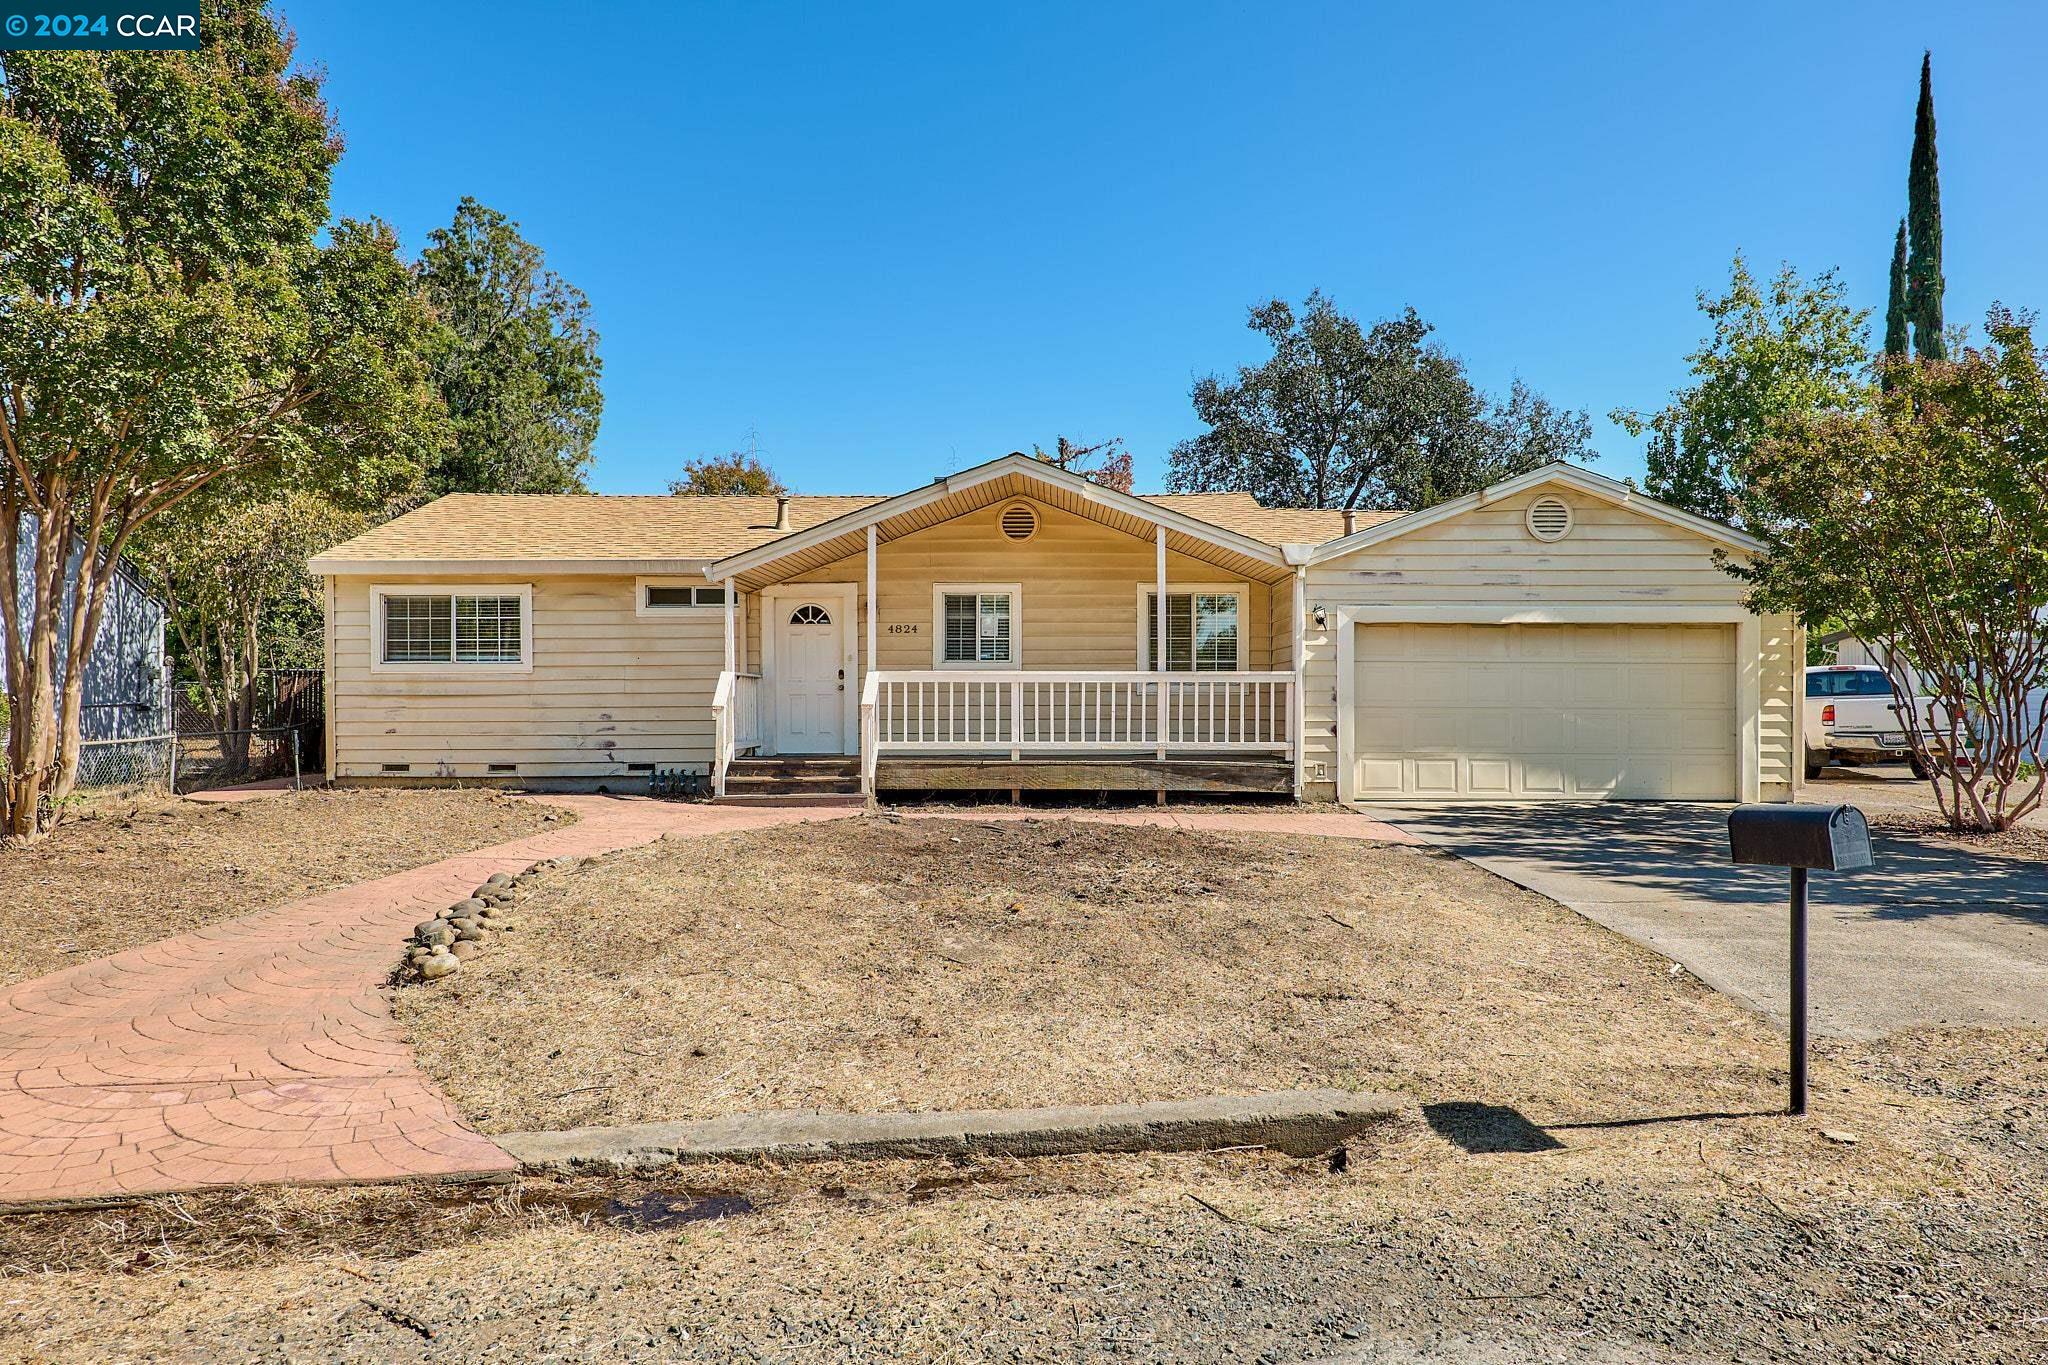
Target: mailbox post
(1831, 838)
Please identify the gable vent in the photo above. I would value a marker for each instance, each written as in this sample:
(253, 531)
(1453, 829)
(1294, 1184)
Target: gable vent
(1549, 519)
(1020, 521)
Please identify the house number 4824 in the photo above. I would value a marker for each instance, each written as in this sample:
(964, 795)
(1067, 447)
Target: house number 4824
(903, 629)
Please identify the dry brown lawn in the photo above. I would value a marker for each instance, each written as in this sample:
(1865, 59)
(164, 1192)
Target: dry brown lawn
(127, 872)
(1594, 1170)
(942, 964)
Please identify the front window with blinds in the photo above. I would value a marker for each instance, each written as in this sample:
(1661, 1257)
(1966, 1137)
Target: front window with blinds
(453, 628)
(978, 628)
(1201, 632)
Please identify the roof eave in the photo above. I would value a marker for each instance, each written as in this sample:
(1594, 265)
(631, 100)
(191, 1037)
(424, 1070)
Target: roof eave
(748, 560)
(1585, 480)
(331, 566)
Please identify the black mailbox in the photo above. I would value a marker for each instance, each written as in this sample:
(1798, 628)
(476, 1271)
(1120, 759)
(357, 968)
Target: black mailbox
(1832, 838)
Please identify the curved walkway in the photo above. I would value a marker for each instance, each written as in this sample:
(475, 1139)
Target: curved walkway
(262, 1049)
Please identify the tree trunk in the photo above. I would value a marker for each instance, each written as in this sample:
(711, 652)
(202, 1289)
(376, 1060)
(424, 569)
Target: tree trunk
(31, 662)
(98, 560)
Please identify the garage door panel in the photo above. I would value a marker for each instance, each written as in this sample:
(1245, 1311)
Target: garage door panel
(1492, 685)
(1543, 775)
(1437, 777)
(1520, 712)
(1382, 776)
(1491, 777)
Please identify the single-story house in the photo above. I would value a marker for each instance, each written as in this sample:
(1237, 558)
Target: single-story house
(1556, 636)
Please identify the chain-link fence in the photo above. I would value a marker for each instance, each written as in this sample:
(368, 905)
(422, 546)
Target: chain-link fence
(144, 761)
(226, 758)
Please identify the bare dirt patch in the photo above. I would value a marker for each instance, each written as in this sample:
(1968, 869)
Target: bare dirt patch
(1711, 1238)
(126, 873)
(948, 964)
(2022, 843)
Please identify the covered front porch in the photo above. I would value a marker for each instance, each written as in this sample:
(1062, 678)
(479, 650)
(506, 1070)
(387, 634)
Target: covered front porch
(1001, 631)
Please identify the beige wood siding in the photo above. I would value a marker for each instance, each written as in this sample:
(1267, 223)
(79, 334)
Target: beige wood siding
(607, 689)
(1078, 582)
(1486, 558)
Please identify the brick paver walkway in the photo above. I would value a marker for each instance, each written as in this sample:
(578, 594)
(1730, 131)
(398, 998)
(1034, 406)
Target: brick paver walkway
(263, 1049)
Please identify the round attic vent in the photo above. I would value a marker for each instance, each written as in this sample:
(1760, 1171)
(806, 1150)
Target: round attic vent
(1549, 519)
(1020, 521)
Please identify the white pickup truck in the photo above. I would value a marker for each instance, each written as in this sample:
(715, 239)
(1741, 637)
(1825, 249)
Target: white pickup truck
(1852, 717)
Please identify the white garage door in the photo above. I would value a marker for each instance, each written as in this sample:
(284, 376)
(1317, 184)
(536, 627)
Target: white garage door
(1545, 712)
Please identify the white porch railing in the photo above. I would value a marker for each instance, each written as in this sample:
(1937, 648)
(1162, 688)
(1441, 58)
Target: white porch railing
(1026, 711)
(735, 722)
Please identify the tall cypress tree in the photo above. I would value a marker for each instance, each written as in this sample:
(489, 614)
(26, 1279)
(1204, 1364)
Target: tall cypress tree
(1923, 218)
(1898, 338)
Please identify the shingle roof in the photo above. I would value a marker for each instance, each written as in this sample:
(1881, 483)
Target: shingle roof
(1241, 512)
(497, 527)
(517, 526)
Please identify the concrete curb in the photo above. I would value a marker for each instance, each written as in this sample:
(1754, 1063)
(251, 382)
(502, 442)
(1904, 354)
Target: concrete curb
(1297, 1122)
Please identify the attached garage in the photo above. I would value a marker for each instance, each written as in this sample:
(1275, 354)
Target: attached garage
(1557, 637)
(1544, 712)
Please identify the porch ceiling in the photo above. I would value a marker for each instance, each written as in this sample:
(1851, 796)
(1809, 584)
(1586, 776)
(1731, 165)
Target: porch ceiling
(1237, 556)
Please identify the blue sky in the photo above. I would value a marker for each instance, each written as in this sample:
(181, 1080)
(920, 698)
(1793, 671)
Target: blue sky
(893, 240)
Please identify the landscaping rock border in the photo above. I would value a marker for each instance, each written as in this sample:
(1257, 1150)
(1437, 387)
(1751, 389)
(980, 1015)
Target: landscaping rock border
(442, 944)
(1296, 1122)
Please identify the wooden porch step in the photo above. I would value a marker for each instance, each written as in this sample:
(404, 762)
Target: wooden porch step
(732, 798)
(768, 784)
(793, 777)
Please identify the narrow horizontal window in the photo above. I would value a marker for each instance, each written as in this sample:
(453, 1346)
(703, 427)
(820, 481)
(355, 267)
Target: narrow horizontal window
(662, 595)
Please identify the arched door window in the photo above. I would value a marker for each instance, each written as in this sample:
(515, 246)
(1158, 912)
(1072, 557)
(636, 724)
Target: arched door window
(810, 614)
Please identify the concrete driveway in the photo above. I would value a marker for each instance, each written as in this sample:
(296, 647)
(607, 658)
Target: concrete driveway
(1931, 935)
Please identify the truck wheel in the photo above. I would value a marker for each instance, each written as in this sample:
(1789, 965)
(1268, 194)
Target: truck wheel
(1813, 767)
(1919, 768)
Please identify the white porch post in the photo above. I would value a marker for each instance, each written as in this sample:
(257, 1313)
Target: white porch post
(1297, 731)
(872, 662)
(1163, 652)
(732, 655)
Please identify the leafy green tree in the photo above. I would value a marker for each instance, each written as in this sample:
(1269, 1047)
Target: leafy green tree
(725, 475)
(1898, 327)
(1346, 416)
(231, 571)
(1921, 524)
(169, 323)
(1104, 462)
(517, 365)
(1923, 218)
(1776, 352)
(1521, 432)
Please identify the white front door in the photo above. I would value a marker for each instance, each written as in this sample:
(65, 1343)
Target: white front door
(810, 682)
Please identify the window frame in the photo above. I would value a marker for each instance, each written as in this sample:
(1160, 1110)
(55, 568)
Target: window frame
(1240, 591)
(642, 608)
(941, 591)
(450, 667)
